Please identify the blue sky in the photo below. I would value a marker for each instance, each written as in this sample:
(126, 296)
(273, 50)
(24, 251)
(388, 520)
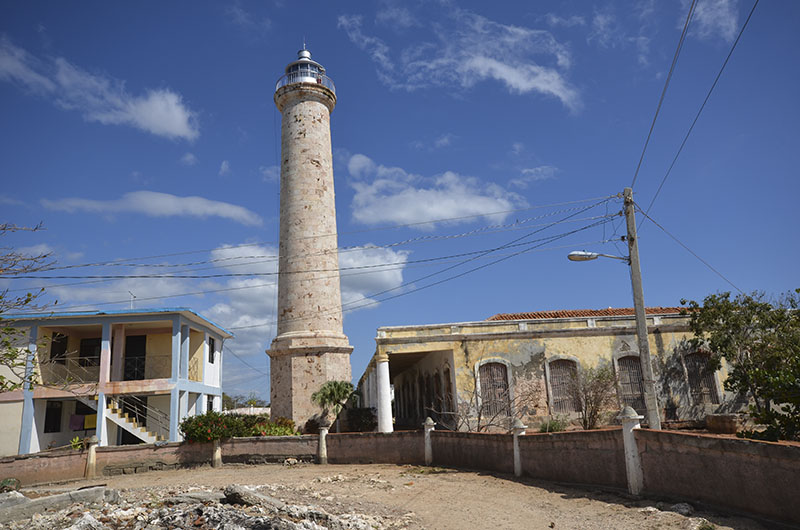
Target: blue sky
(138, 130)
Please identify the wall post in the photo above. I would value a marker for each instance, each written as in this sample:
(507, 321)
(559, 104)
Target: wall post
(322, 448)
(633, 464)
(518, 430)
(91, 458)
(429, 426)
(216, 458)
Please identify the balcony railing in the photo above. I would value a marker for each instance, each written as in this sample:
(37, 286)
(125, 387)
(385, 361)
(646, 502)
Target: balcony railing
(76, 370)
(306, 77)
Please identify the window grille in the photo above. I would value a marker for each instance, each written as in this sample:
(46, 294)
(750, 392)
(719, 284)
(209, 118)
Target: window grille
(448, 392)
(562, 377)
(631, 384)
(212, 349)
(420, 396)
(438, 404)
(89, 353)
(702, 384)
(494, 389)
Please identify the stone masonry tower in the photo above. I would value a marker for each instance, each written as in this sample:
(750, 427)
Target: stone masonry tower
(310, 347)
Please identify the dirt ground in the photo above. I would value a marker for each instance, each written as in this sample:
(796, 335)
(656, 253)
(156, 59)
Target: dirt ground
(419, 497)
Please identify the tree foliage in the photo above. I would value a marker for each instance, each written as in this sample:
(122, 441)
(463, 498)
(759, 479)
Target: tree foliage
(332, 395)
(760, 340)
(594, 389)
(14, 350)
(237, 401)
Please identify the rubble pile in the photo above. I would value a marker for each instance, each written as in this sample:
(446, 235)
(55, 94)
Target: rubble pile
(235, 508)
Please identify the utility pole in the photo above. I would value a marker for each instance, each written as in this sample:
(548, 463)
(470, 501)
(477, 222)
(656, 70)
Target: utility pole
(650, 399)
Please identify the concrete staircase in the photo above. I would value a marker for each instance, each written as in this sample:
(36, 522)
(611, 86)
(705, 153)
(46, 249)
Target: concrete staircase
(123, 420)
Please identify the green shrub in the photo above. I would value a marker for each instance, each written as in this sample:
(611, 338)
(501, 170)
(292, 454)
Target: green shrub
(279, 427)
(555, 424)
(216, 426)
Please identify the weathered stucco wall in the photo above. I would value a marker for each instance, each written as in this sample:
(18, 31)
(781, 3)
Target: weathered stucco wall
(580, 457)
(402, 447)
(753, 476)
(11, 412)
(491, 452)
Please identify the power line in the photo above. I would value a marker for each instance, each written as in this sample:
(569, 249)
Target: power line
(228, 348)
(406, 284)
(392, 227)
(404, 266)
(692, 252)
(269, 258)
(664, 91)
(700, 111)
(276, 273)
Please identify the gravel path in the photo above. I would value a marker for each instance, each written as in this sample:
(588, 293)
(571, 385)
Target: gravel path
(419, 497)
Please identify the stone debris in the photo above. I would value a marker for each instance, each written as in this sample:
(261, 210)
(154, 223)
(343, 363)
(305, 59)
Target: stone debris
(237, 507)
(682, 508)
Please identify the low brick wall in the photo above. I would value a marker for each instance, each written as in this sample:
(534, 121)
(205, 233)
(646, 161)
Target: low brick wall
(48, 466)
(402, 447)
(270, 449)
(579, 457)
(752, 476)
(128, 459)
(489, 452)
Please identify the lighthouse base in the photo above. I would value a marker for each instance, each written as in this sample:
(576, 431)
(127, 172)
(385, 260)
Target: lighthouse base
(297, 372)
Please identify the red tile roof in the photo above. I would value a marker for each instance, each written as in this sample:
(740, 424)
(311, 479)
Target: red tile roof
(577, 313)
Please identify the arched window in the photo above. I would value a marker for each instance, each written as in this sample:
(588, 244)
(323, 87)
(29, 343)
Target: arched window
(631, 384)
(702, 383)
(495, 397)
(562, 376)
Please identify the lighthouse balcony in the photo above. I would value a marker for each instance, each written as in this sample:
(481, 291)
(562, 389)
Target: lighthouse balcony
(306, 77)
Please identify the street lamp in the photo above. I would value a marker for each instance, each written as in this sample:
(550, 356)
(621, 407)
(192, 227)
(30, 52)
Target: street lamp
(632, 259)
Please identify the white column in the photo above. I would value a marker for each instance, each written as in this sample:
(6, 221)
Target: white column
(428, 426)
(322, 448)
(518, 430)
(384, 394)
(633, 463)
(101, 430)
(105, 355)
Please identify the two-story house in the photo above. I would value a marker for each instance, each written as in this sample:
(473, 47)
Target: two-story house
(126, 376)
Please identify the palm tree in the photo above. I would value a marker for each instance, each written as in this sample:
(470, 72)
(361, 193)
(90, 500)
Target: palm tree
(332, 396)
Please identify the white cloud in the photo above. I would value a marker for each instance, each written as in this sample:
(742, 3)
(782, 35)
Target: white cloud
(188, 159)
(469, 48)
(444, 140)
(270, 173)
(712, 19)
(391, 195)
(157, 204)
(246, 20)
(517, 148)
(534, 174)
(567, 22)
(396, 17)
(98, 98)
(224, 168)
(604, 29)
(357, 285)
(5, 199)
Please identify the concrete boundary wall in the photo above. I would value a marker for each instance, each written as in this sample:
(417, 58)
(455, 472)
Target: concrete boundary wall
(745, 475)
(742, 475)
(489, 452)
(579, 457)
(401, 447)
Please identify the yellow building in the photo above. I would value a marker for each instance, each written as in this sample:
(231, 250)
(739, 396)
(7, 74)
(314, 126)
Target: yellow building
(124, 376)
(470, 375)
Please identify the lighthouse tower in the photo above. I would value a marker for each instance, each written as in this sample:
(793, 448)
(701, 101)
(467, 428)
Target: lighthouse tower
(310, 347)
